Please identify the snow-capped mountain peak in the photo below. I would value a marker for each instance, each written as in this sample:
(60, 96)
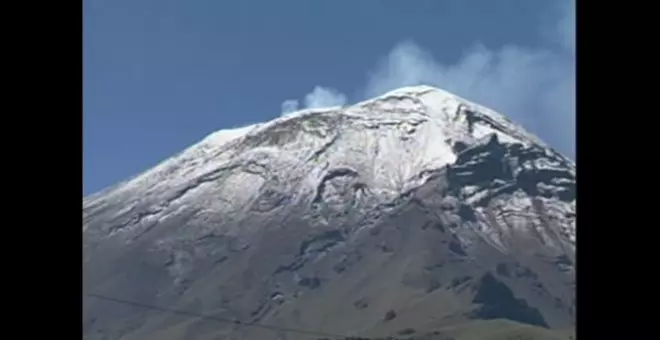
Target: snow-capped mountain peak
(420, 188)
(387, 145)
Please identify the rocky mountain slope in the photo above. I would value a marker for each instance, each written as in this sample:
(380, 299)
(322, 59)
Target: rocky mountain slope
(410, 213)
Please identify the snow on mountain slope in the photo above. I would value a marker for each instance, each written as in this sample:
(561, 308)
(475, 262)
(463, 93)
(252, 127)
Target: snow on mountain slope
(265, 210)
(390, 144)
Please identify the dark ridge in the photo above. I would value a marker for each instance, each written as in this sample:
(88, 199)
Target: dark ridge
(498, 302)
(481, 164)
(470, 117)
(322, 242)
(563, 260)
(459, 147)
(439, 226)
(473, 116)
(385, 248)
(406, 331)
(317, 244)
(310, 282)
(269, 200)
(456, 248)
(324, 147)
(295, 265)
(458, 281)
(332, 174)
(433, 285)
(567, 195)
(390, 315)
(498, 167)
(466, 213)
(524, 272)
(529, 179)
(347, 261)
(260, 311)
(361, 304)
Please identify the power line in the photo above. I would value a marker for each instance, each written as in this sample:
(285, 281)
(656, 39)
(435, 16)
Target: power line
(213, 318)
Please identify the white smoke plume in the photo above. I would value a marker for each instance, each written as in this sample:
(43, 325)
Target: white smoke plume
(535, 88)
(319, 97)
(289, 106)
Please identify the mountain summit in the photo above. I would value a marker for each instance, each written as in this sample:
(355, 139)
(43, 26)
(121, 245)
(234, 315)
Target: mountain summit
(416, 213)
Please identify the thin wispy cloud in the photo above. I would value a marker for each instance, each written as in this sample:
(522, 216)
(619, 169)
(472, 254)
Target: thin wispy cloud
(290, 105)
(534, 87)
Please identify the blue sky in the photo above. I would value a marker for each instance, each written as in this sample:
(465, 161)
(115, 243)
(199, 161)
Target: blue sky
(159, 75)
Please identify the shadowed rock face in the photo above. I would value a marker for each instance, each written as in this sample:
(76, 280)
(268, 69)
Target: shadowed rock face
(317, 228)
(498, 301)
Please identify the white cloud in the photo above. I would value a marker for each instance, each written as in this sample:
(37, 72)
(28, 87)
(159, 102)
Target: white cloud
(289, 106)
(318, 98)
(535, 88)
(324, 97)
